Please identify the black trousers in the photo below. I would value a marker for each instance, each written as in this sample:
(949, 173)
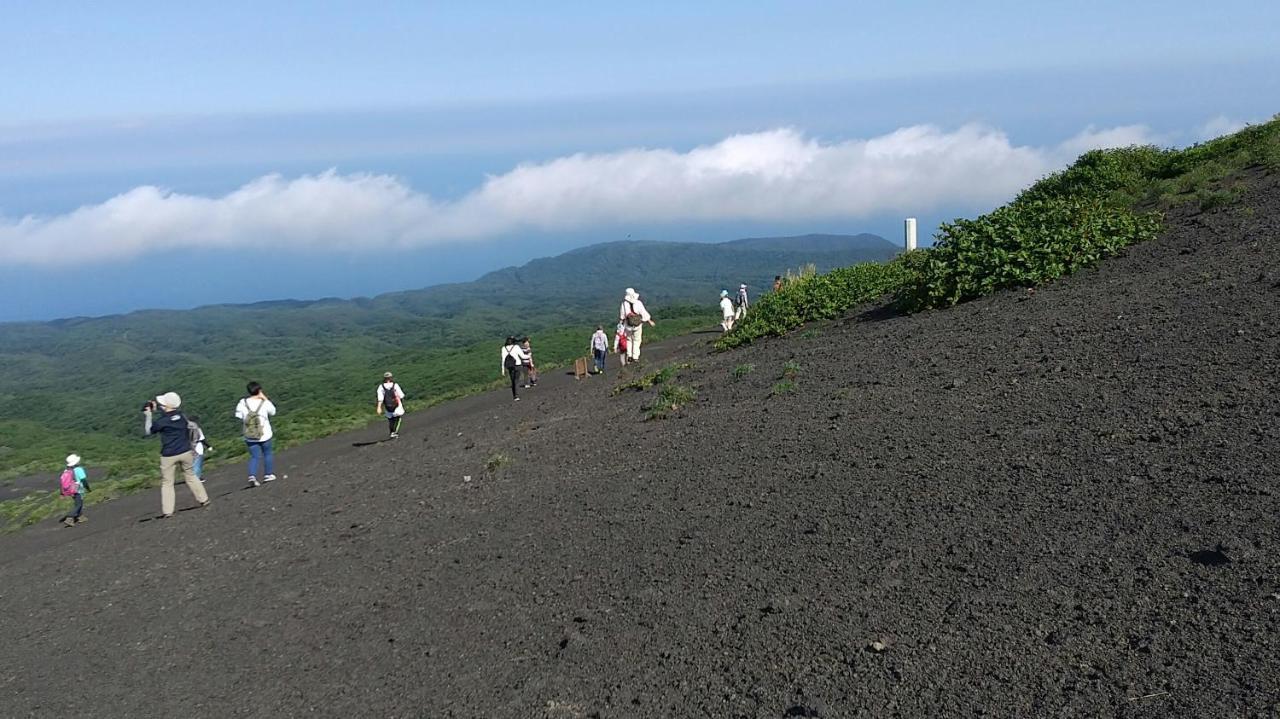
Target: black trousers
(515, 379)
(393, 424)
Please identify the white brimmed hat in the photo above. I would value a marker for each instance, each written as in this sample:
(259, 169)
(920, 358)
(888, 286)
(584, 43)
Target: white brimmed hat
(169, 399)
(631, 295)
(73, 460)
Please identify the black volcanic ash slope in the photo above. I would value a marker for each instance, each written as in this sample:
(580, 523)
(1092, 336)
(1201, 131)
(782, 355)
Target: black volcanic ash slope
(1059, 503)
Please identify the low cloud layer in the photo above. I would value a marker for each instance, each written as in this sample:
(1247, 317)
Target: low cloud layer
(778, 175)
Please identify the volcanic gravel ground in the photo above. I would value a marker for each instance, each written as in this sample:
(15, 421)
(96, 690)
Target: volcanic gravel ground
(1050, 503)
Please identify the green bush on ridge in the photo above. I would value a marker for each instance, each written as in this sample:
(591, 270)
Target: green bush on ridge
(1104, 202)
(813, 297)
(1019, 245)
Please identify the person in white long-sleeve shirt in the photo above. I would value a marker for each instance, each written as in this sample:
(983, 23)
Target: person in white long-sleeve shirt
(599, 348)
(634, 317)
(513, 358)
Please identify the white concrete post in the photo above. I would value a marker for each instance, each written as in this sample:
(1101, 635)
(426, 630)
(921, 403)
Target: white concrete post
(909, 233)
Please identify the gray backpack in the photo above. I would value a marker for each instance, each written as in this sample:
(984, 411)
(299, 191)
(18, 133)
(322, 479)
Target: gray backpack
(254, 427)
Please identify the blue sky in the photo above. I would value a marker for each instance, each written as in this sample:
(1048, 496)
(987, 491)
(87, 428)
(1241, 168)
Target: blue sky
(318, 139)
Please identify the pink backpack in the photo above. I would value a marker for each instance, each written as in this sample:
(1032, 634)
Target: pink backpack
(69, 486)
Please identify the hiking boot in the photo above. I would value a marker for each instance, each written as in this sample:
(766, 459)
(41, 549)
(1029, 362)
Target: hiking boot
(253, 481)
(204, 504)
(81, 519)
(269, 478)
(68, 521)
(394, 435)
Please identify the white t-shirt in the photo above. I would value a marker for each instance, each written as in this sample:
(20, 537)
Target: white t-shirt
(382, 395)
(263, 407)
(726, 306)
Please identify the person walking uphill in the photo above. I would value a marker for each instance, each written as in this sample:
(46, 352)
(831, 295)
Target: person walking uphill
(743, 303)
(391, 404)
(74, 483)
(255, 411)
(599, 348)
(200, 445)
(726, 311)
(635, 316)
(512, 360)
(175, 449)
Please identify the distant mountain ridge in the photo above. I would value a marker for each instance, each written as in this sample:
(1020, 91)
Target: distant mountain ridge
(816, 243)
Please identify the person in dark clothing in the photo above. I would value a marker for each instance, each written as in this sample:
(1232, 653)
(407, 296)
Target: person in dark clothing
(175, 449)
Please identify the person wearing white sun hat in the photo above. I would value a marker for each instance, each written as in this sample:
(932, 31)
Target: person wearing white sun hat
(634, 316)
(75, 482)
(175, 449)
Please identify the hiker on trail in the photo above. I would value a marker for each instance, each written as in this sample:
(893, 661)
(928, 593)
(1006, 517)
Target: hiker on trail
(777, 282)
(726, 311)
(620, 341)
(74, 482)
(743, 302)
(530, 369)
(391, 403)
(200, 445)
(599, 348)
(175, 449)
(512, 361)
(255, 411)
(634, 315)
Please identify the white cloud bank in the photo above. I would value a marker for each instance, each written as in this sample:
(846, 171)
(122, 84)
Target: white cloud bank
(774, 175)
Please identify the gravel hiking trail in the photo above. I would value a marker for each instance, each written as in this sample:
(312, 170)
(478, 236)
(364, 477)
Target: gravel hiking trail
(1060, 502)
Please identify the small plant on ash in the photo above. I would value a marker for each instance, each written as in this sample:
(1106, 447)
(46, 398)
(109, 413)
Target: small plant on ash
(742, 370)
(496, 462)
(669, 400)
(666, 374)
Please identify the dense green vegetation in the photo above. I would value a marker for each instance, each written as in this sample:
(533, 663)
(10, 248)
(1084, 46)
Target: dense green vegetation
(77, 384)
(810, 297)
(1106, 201)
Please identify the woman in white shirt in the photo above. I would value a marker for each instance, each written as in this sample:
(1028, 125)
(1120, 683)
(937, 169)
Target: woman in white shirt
(513, 358)
(255, 411)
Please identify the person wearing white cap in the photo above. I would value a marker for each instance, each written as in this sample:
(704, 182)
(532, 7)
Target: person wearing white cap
(391, 403)
(634, 317)
(75, 482)
(726, 311)
(743, 303)
(175, 449)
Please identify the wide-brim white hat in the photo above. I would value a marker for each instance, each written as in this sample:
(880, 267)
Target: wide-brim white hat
(169, 399)
(73, 460)
(631, 295)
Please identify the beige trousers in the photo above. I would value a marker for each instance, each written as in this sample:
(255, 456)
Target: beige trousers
(635, 335)
(168, 465)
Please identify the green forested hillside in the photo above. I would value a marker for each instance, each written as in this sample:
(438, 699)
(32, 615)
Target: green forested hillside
(77, 384)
